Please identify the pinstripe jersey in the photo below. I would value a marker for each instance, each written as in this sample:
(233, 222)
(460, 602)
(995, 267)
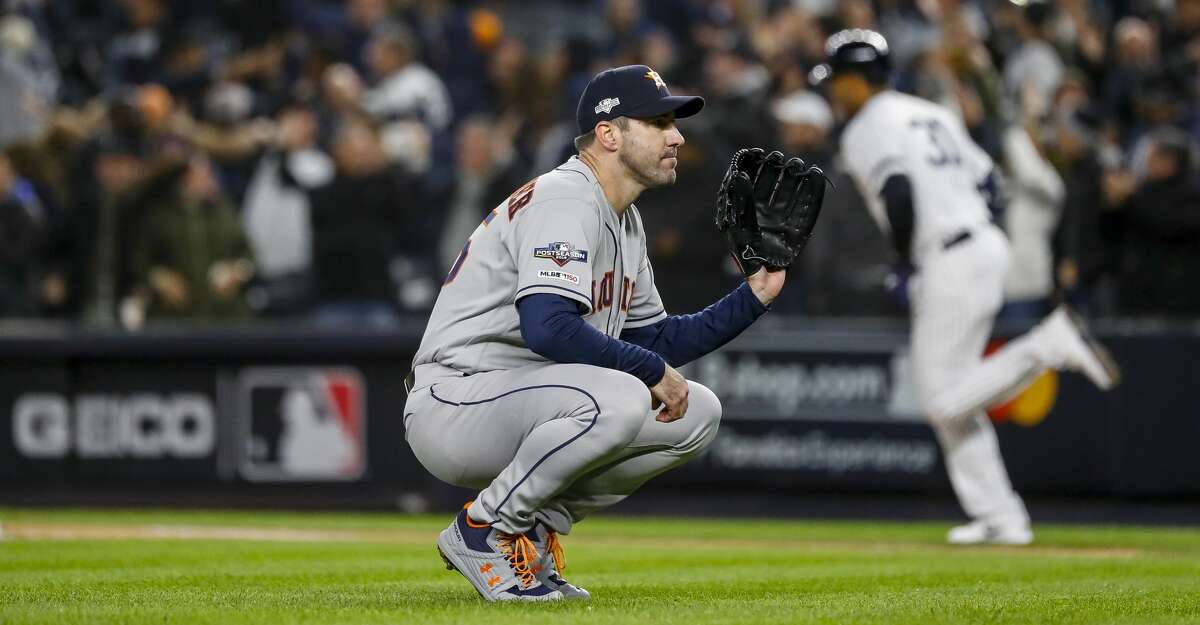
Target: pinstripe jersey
(896, 133)
(556, 234)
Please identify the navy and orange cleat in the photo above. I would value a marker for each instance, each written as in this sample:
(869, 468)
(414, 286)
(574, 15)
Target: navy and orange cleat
(551, 562)
(499, 566)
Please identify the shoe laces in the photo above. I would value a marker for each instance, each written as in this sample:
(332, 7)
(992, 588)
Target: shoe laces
(521, 554)
(556, 550)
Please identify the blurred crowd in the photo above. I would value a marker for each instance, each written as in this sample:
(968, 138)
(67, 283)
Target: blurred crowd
(220, 160)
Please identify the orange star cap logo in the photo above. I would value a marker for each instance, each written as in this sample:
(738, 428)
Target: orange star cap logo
(658, 81)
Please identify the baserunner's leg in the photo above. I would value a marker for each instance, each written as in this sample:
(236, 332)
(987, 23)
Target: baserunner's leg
(953, 311)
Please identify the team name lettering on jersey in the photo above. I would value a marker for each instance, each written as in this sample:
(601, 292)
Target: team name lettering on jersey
(602, 298)
(520, 198)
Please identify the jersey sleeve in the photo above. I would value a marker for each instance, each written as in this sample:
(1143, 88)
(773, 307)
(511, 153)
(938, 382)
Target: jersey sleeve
(864, 169)
(645, 304)
(553, 245)
(872, 157)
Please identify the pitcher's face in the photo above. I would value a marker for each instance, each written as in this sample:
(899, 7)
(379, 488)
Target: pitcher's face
(650, 150)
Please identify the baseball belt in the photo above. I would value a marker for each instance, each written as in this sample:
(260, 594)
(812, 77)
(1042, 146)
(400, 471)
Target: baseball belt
(955, 239)
(410, 381)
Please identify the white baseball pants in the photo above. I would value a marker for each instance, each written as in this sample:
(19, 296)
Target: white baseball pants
(955, 298)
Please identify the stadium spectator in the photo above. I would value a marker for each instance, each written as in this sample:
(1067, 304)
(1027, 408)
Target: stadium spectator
(737, 96)
(1034, 69)
(1135, 56)
(90, 260)
(99, 97)
(1079, 31)
(1159, 220)
(790, 42)
(1035, 194)
(361, 222)
(24, 223)
(404, 88)
(30, 80)
(277, 212)
(517, 82)
(134, 54)
(457, 41)
(627, 29)
(191, 259)
(486, 175)
(342, 29)
(341, 94)
(1085, 251)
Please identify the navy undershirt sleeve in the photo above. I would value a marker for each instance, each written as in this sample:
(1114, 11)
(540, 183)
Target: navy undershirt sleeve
(990, 189)
(898, 199)
(552, 327)
(681, 339)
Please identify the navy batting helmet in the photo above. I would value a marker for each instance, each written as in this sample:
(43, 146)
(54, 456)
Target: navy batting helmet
(857, 50)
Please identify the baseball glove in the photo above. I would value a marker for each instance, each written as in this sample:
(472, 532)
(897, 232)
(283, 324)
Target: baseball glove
(767, 207)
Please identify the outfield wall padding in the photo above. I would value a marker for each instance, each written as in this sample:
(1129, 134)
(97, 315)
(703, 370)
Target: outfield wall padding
(817, 405)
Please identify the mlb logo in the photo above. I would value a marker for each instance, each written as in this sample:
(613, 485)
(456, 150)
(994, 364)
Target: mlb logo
(607, 105)
(301, 424)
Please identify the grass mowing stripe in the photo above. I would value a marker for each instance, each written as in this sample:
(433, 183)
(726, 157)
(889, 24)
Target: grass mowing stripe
(660, 571)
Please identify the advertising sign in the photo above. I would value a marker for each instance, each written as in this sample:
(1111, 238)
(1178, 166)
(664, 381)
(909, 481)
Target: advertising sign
(300, 424)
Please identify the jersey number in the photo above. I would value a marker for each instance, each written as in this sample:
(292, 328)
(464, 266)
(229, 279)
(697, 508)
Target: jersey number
(945, 150)
(458, 263)
(516, 202)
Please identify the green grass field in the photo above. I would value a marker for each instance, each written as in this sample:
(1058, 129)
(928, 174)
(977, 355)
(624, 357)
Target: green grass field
(67, 566)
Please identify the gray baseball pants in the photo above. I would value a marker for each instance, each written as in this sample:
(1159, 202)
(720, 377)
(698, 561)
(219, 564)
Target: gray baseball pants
(548, 442)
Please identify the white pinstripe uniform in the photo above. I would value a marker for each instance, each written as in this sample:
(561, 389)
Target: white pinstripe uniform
(545, 441)
(961, 260)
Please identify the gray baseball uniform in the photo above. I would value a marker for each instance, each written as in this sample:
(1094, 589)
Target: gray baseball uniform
(545, 441)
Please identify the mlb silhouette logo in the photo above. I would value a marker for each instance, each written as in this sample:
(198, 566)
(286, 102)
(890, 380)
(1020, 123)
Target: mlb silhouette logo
(301, 424)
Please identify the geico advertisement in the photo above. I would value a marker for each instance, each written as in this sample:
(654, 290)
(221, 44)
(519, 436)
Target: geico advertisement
(94, 425)
(263, 424)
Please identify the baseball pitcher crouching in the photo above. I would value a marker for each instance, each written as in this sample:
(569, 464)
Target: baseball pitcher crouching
(546, 374)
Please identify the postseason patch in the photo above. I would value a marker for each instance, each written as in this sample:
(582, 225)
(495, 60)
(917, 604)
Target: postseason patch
(558, 275)
(560, 252)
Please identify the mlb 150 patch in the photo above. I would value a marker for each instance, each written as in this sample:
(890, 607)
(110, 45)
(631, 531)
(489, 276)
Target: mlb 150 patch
(561, 252)
(558, 275)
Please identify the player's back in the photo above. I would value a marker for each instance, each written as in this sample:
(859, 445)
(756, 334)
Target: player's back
(896, 133)
(474, 315)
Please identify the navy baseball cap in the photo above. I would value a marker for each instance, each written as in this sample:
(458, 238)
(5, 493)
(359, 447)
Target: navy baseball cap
(630, 91)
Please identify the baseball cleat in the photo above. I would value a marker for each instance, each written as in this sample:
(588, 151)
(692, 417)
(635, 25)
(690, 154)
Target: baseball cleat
(1079, 349)
(551, 562)
(498, 565)
(985, 533)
